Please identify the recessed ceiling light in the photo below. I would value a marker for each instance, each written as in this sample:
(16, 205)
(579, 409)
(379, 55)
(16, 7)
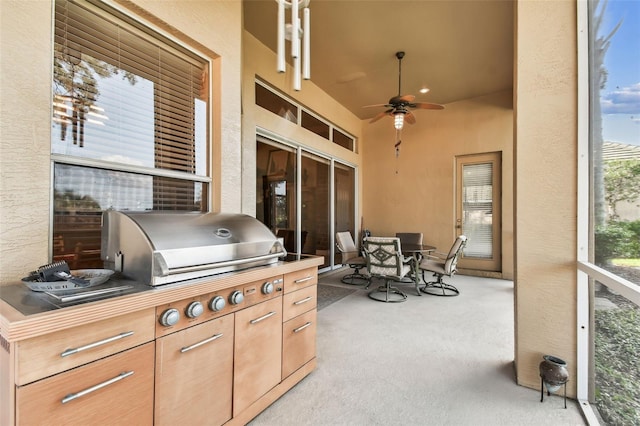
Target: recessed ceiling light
(424, 90)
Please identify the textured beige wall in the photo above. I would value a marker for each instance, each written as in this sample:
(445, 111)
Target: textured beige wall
(25, 102)
(545, 174)
(25, 113)
(416, 189)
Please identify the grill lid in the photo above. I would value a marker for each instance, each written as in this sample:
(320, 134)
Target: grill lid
(165, 247)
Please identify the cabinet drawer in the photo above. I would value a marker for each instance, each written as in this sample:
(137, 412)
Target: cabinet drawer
(298, 342)
(299, 279)
(125, 397)
(53, 353)
(299, 302)
(188, 364)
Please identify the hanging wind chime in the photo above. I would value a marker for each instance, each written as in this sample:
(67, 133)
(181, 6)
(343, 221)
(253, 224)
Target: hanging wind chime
(295, 31)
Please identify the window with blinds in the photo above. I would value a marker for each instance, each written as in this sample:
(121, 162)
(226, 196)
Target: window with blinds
(129, 124)
(477, 205)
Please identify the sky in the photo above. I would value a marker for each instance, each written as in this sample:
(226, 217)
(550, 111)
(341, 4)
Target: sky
(620, 99)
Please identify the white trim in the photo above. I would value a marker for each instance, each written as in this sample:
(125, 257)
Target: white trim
(298, 189)
(106, 165)
(583, 332)
(332, 212)
(275, 137)
(588, 413)
(614, 282)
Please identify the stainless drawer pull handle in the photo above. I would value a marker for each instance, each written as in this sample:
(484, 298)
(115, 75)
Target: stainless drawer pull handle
(301, 280)
(93, 345)
(195, 345)
(300, 302)
(73, 396)
(302, 327)
(264, 317)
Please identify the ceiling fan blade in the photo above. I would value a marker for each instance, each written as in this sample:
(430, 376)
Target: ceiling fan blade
(378, 105)
(402, 103)
(425, 105)
(410, 118)
(379, 116)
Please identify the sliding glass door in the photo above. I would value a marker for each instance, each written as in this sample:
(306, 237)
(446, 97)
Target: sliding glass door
(315, 207)
(344, 180)
(299, 193)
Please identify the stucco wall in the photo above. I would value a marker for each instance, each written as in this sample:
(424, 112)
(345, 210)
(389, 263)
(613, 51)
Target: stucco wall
(545, 188)
(25, 108)
(25, 105)
(415, 191)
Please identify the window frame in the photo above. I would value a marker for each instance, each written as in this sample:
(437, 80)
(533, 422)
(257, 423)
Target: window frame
(170, 41)
(300, 110)
(587, 272)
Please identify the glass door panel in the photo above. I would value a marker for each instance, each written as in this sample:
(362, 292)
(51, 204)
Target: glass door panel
(275, 191)
(345, 202)
(315, 207)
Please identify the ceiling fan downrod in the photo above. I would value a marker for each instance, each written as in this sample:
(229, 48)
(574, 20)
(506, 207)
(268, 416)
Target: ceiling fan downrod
(400, 55)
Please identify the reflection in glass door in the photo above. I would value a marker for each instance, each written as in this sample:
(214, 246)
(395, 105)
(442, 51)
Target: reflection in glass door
(345, 202)
(315, 207)
(275, 192)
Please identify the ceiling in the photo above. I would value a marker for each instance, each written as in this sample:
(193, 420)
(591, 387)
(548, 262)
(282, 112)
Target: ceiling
(458, 49)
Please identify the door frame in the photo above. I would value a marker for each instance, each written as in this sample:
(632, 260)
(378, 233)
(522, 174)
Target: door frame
(493, 264)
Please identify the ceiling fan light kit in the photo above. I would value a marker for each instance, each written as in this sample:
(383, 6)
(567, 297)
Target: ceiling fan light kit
(398, 120)
(293, 32)
(400, 106)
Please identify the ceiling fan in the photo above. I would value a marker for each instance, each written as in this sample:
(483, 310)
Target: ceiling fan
(399, 107)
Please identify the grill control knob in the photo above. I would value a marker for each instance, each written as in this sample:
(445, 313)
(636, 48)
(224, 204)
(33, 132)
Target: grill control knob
(217, 303)
(170, 317)
(236, 297)
(267, 288)
(194, 310)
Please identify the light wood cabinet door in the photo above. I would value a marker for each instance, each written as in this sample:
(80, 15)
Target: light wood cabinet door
(298, 342)
(117, 390)
(258, 352)
(194, 374)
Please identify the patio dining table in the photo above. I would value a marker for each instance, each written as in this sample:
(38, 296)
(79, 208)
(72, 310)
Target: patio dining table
(417, 251)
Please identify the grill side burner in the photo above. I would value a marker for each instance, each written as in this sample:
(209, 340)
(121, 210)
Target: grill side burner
(166, 247)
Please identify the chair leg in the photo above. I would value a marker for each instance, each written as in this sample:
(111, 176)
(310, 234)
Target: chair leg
(356, 278)
(417, 282)
(387, 293)
(438, 287)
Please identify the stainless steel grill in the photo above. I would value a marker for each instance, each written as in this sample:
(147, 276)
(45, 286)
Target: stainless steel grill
(162, 248)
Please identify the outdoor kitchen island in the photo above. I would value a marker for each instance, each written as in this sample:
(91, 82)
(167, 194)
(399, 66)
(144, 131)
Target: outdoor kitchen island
(212, 350)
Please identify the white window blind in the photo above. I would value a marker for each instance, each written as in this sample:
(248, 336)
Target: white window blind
(477, 204)
(123, 95)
